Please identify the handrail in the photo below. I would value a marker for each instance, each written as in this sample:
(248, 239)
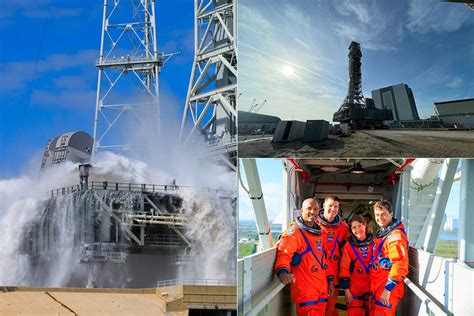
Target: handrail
(429, 302)
(173, 282)
(132, 187)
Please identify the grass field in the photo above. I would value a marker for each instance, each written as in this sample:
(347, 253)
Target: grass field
(447, 249)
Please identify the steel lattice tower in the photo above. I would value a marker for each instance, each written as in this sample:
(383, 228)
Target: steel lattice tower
(129, 66)
(354, 97)
(211, 99)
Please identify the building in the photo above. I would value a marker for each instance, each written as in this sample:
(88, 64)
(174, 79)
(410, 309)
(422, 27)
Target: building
(255, 123)
(451, 224)
(456, 113)
(398, 98)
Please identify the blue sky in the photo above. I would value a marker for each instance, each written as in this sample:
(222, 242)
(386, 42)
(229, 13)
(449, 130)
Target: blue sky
(62, 96)
(294, 54)
(271, 173)
(271, 179)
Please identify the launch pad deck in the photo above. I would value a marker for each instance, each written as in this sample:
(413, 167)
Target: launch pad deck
(173, 300)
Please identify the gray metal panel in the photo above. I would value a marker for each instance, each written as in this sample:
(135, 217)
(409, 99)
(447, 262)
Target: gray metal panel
(316, 130)
(289, 131)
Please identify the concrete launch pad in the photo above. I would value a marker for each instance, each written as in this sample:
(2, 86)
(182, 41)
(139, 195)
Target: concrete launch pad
(177, 300)
(367, 143)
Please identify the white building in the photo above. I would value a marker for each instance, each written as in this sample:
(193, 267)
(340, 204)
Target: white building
(451, 224)
(398, 98)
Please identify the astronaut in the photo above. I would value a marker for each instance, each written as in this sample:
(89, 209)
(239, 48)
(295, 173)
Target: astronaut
(301, 262)
(355, 266)
(335, 234)
(389, 264)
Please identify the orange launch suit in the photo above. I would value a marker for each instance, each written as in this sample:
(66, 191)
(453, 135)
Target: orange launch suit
(354, 273)
(301, 251)
(335, 234)
(389, 267)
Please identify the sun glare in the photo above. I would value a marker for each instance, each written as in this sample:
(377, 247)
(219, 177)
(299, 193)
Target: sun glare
(288, 70)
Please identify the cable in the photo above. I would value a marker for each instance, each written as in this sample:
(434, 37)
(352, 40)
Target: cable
(30, 89)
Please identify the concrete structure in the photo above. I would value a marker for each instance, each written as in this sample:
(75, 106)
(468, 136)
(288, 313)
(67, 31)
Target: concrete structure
(399, 99)
(250, 123)
(287, 131)
(456, 113)
(177, 300)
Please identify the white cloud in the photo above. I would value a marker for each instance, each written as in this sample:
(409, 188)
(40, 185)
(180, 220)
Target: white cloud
(432, 16)
(55, 12)
(273, 196)
(368, 23)
(84, 99)
(455, 83)
(15, 75)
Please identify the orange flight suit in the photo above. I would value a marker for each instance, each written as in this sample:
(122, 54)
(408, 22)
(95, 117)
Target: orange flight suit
(389, 267)
(301, 251)
(335, 234)
(354, 273)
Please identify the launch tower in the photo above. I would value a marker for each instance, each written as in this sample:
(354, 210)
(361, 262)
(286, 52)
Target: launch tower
(356, 110)
(211, 100)
(129, 65)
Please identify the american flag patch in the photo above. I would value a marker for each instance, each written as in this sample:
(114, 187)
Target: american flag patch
(394, 237)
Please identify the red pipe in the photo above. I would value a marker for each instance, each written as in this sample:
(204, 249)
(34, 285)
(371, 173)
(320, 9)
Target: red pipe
(393, 176)
(304, 174)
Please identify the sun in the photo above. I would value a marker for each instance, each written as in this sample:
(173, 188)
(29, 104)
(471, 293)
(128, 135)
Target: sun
(288, 70)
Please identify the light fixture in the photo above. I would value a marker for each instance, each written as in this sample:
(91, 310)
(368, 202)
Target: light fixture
(357, 168)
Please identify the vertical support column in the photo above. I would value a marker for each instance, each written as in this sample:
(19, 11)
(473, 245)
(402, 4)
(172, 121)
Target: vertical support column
(435, 220)
(286, 198)
(247, 285)
(256, 195)
(466, 214)
(405, 197)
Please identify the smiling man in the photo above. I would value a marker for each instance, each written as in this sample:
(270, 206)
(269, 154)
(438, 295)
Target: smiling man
(335, 234)
(301, 262)
(389, 265)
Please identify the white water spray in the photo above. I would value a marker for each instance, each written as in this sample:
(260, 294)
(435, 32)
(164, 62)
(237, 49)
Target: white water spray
(24, 201)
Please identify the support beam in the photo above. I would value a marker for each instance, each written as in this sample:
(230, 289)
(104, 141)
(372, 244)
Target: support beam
(256, 195)
(432, 227)
(466, 214)
(286, 199)
(405, 197)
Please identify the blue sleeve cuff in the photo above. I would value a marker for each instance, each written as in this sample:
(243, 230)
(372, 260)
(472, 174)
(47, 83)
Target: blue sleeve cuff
(390, 285)
(344, 283)
(330, 278)
(281, 270)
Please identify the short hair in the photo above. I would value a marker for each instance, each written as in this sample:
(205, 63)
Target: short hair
(308, 199)
(332, 197)
(361, 219)
(383, 204)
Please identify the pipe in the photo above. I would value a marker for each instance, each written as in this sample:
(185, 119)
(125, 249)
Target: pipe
(391, 178)
(304, 174)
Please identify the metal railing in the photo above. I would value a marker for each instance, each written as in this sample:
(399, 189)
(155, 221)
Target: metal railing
(134, 187)
(128, 59)
(219, 282)
(163, 239)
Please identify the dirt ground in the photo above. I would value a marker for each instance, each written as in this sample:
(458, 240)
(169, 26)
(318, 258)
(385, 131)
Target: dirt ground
(368, 143)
